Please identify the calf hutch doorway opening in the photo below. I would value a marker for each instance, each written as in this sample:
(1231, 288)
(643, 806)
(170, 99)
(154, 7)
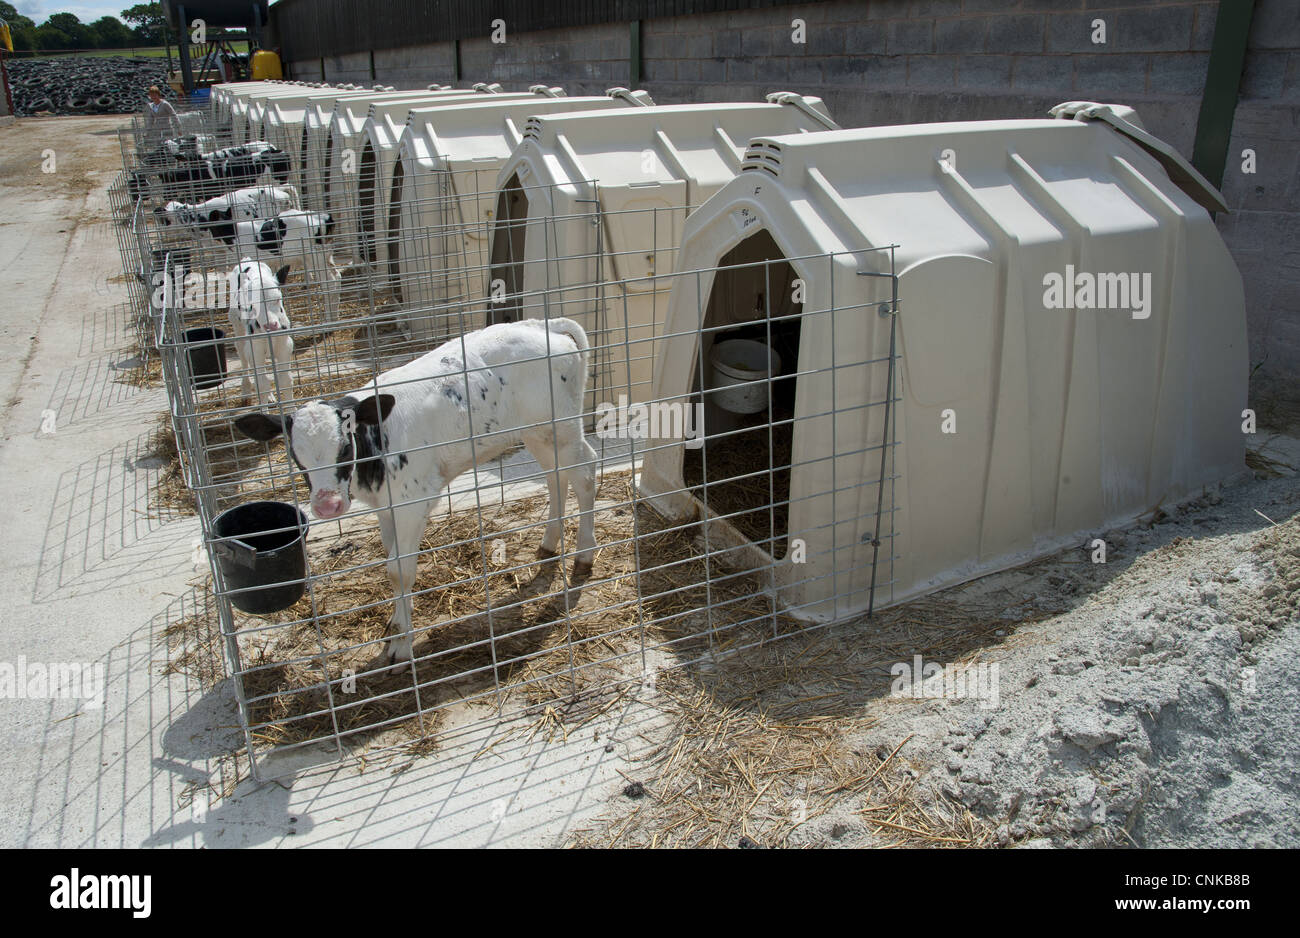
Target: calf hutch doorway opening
(746, 377)
(394, 226)
(507, 259)
(367, 184)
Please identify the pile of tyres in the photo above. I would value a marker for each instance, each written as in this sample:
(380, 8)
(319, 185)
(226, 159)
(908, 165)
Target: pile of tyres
(77, 85)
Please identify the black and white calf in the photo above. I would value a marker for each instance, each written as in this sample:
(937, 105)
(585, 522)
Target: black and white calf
(248, 204)
(189, 146)
(213, 173)
(176, 149)
(259, 324)
(397, 444)
(295, 236)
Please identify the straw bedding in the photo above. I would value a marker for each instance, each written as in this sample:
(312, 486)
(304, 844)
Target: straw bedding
(748, 480)
(484, 629)
(755, 744)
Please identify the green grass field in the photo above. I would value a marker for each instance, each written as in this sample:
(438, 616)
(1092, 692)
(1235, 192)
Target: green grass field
(154, 52)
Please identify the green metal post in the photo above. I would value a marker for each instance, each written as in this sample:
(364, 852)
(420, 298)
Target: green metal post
(1222, 80)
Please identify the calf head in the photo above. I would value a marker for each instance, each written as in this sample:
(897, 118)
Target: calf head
(169, 214)
(270, 235)
(323, 443)
(221, 224)
(276, 162)
(258, 299)
(179, 147)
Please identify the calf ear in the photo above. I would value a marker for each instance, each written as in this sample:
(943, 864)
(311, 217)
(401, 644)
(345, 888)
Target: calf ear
(374, 409)
(263, 428)
(282, 274)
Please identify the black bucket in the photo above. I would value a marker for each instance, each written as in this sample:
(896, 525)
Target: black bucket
(208, 359)
(264, 560)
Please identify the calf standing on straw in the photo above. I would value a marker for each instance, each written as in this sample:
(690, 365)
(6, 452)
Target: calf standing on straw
(396, 444)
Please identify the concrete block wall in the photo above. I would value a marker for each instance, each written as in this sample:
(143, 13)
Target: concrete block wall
(1263, 226)
(910, 61)
(586, 61)
(906, 62)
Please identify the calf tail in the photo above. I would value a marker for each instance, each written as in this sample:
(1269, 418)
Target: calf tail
(569, 328)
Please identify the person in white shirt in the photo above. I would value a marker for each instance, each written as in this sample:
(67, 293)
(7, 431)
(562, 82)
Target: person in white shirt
(160, 121)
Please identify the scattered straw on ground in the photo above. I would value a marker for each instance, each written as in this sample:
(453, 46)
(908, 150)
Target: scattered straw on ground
(147, 374)
(762, 742)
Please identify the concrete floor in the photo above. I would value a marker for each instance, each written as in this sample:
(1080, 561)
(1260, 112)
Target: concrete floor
(91, 578)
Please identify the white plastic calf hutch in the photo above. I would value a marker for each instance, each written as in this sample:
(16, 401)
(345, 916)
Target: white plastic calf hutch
(283, 124)
(247, 108)
(379, 140)
(225, 94)
(340, 172)
(260, 109)
(591, 210)
(443, 193)
(1070, 350)
(227, 97)
(314, 146)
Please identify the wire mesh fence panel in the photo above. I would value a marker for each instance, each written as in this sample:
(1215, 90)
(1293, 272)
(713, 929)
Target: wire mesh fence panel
(511, 599)
(463, 449)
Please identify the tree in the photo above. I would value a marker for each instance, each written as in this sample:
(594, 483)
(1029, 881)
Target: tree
(79, 35)
(111, 33)
(51, 37)
(147, 22)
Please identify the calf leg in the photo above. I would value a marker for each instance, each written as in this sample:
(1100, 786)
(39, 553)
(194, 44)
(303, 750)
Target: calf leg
(401, 528)
(541, 446)
(583, 479)
(260, 346)
(244, 346)
(578, 469)
(282, 366)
